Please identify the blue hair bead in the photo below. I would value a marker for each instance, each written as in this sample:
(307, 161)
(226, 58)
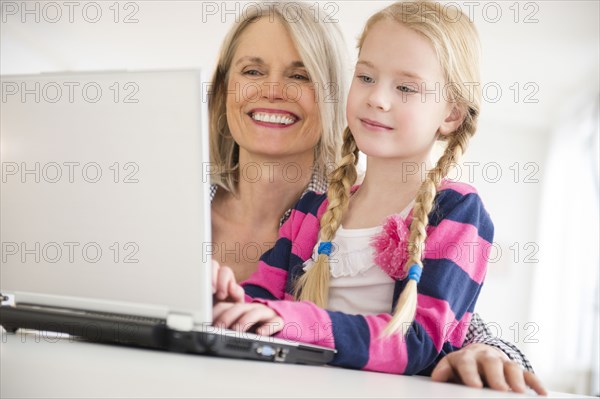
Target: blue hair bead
(414, 273)
(324, 248)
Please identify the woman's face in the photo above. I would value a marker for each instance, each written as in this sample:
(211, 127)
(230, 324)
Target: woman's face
(272, 109)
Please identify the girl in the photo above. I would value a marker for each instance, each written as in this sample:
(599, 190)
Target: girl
(408, 92)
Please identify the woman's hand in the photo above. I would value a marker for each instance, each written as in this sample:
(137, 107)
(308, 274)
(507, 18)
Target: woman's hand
(243, 317)
(478, 363)
(224, 286)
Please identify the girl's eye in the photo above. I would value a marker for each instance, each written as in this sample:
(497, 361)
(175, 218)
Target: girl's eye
(365, 79)
(406, 89)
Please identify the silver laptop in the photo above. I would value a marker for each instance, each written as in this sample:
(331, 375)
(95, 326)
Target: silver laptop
(105, 213)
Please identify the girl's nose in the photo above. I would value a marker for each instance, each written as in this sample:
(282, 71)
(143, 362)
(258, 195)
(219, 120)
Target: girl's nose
(379, 98)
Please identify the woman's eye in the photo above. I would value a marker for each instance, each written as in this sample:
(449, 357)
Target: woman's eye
(251, 72)
(365, 79)
(300, 77)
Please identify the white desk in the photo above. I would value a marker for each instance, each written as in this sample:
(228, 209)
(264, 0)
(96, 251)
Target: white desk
(34, 366)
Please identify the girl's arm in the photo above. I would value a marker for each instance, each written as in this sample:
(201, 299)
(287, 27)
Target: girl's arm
(297, 238)
(457, 247)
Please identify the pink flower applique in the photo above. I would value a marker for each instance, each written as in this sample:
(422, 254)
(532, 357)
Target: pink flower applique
(391, 246)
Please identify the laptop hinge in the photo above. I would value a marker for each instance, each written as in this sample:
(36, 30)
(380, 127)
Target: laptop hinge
(180, 322)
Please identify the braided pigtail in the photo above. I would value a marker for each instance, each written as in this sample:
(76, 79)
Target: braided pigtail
(314, 284)
(406, 307)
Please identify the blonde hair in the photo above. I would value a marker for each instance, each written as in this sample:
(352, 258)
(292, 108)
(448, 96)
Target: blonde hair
(320, 46)
(456, 45)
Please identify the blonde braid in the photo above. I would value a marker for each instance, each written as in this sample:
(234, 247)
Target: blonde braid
(406, 307)
(314, 284)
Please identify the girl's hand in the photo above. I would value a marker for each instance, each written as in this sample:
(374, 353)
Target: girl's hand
(224, 286)
(477, 362)
(243, 317)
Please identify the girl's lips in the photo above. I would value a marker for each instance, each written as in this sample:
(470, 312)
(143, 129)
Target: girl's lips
(374, 125)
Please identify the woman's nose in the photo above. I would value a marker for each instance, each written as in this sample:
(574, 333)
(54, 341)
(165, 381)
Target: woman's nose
(273, 89)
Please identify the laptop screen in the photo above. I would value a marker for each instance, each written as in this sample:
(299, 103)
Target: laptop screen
(104, 192)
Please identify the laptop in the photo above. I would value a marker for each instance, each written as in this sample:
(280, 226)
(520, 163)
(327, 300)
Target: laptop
(105, 214)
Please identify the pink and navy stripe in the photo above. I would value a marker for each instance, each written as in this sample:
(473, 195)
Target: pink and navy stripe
(460, 234)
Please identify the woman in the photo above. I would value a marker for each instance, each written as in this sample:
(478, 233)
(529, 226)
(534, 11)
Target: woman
(264, 166)
(277, 114)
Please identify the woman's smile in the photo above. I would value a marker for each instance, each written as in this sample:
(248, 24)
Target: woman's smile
(273, 118)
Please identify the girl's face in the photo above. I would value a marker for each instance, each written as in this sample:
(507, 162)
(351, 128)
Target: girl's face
(271, 104)
(396, 106)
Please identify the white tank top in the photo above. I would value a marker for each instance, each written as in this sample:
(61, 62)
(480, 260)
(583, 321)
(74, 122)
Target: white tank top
(357, 285)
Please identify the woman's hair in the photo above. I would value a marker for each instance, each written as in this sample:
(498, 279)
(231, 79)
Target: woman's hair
(456, 43)
(321, 49)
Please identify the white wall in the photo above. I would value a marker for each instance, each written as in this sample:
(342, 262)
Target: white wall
(556, 53)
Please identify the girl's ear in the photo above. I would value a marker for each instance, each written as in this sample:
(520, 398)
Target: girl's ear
(452, 122)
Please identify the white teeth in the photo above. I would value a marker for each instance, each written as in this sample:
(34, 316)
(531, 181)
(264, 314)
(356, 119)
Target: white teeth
(273, 118)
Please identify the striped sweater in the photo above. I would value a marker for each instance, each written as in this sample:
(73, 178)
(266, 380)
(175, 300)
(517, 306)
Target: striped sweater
(460, 234)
